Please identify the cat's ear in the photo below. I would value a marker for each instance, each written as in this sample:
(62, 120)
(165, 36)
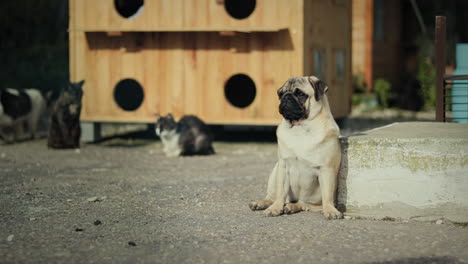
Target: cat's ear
(81, 83)
(157, 116)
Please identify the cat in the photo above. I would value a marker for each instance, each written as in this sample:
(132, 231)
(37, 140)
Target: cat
(19, 108)
(64, 125)
(189, 136)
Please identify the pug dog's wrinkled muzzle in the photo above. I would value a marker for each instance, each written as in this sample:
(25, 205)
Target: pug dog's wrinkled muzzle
(290, 107)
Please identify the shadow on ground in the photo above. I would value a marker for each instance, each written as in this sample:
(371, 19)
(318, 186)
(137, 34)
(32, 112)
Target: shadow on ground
(423, 260)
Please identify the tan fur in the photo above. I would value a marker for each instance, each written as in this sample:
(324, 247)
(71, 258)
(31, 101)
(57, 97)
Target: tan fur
(309, 157)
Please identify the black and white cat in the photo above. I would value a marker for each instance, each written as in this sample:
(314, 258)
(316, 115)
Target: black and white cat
(189, 136)
(19, 108)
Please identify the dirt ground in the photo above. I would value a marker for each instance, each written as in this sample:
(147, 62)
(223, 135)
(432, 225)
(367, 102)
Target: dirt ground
(123, 201)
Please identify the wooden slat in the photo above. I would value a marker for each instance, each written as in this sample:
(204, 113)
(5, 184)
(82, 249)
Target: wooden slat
(440, 42)
(179, 15)
(151, 119)
(184, 29)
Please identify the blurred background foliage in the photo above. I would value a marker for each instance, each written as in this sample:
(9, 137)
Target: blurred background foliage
(34, 44)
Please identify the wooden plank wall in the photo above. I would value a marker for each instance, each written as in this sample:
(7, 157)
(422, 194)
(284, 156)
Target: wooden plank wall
(92, 15)
(185, 72)
(327, 27)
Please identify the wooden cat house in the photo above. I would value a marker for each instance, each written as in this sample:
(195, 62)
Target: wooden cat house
(222, 60)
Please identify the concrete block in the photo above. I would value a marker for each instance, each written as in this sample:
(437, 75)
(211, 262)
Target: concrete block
(406, 170)
(90, 132)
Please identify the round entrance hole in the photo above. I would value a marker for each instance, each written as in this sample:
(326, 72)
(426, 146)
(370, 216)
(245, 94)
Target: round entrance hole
(128, 94)
(240, 90)
(240, 9)
(129, 8)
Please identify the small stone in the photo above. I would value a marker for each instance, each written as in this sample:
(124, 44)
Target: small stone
(77, 151)
(92, 199)
(32, 219)
(347, 217)
(64, 253)
(439, 222)
(97, 222)
(69, 200)
(131, 243)
(103, 198)
(10, 238)
(3, 155)
(79, 229)
(99, 169)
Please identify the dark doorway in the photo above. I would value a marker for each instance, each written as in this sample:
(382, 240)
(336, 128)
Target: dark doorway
(128, 94)
(240, 90)
(240, 9)
(128, 8)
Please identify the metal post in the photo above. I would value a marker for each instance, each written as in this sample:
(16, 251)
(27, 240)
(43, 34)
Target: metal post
(440, 39)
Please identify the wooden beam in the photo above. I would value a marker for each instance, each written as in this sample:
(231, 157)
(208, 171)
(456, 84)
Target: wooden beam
(182, 29)
(368, 68)
(114, 33)
(440, 43)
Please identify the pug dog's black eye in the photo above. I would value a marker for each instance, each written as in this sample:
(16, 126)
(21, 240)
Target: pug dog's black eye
(280, 94)
(300, 93)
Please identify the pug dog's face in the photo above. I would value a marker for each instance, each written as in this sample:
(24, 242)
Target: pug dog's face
(299, 95)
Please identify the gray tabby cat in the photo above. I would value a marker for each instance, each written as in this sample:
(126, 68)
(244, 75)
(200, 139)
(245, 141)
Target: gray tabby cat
(189, 136)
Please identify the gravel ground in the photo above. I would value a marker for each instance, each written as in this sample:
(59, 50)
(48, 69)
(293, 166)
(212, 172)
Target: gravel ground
(122, 201)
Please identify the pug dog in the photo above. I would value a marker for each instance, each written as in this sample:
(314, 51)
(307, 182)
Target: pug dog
(309, 153)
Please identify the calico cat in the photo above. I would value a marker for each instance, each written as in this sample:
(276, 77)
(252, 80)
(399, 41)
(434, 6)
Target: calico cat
(189, 136)
(19, 108)
(64, 126)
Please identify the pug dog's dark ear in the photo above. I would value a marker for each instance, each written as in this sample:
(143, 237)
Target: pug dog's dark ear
(282, 89)
(320, 88)
(280, 92)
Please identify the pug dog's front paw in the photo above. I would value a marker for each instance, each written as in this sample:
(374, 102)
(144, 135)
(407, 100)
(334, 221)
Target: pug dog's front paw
(330, 213)
(260, 204)
(274, 211)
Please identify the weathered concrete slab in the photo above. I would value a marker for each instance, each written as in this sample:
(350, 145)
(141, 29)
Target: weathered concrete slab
(407, 170)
